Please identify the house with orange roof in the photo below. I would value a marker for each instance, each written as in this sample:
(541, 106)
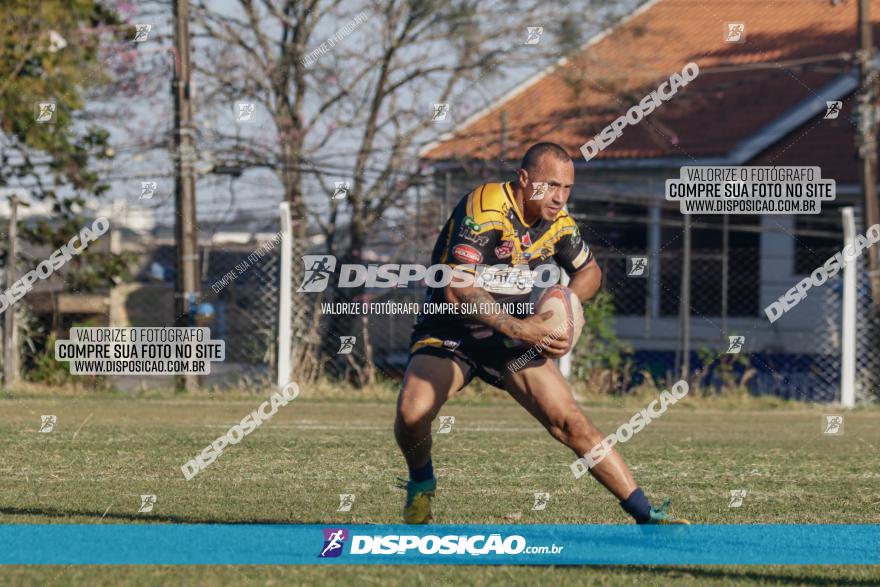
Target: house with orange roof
(767, 73)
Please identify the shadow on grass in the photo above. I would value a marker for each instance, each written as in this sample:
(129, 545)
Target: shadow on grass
(145, 517)
(799, 574)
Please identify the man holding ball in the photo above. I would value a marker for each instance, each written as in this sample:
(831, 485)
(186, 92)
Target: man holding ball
(517, 223)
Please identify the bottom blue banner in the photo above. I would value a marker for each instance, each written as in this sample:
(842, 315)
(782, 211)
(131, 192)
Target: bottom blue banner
(234, 544)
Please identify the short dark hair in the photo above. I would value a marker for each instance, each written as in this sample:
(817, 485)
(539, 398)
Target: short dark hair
(538, 150)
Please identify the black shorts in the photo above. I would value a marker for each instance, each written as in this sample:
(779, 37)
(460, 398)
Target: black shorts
(488, 353)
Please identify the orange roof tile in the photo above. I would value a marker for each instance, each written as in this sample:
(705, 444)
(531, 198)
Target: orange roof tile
(577, 98)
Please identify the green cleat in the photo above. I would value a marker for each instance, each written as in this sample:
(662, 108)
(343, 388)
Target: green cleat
(662, 515)
(418, 501)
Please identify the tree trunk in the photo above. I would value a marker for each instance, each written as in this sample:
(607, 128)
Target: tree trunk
(369, 367)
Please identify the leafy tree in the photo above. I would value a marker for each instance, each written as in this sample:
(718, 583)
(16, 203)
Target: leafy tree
(50, 53)
(600, 357)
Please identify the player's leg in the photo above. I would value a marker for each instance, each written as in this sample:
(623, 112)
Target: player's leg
(427, 384)
(542, 390)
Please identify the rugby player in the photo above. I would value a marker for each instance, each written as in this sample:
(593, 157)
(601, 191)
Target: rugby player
(515, 223)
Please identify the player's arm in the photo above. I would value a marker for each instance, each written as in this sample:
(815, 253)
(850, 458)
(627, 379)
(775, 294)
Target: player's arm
(586, 282)
(576, 258)
(469, 246)
(530, 330)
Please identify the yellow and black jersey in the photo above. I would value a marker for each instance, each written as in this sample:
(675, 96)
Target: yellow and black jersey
(487, 228)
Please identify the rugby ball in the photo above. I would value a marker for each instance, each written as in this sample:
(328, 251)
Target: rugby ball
(568, 315)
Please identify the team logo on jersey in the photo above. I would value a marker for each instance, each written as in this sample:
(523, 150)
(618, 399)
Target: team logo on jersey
(481, 240)
(504, 250)
(527, 240)
(470, 224)
(511, 280)
(466, 254)
(334, 540)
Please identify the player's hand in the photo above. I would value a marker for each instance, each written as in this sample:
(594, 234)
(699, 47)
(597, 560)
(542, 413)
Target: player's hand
(536, 333)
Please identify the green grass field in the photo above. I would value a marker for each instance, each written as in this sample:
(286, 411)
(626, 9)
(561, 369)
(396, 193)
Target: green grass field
(105, 452)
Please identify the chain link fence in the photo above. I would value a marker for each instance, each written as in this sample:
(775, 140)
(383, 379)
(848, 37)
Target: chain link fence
(239, 300)
(826, 368)
(725, 299)
(799, 357)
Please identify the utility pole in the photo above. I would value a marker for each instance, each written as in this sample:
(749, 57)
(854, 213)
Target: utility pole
(10, 331)
(866, 140)
(186, 295)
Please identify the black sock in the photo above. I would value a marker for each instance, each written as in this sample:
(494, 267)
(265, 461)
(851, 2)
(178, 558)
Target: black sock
(638, 506)
(423, 473)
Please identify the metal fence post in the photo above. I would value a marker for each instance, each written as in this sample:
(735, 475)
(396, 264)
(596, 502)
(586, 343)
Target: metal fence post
(848, 330)
(285, 296)
(10, 330)
(725, 268)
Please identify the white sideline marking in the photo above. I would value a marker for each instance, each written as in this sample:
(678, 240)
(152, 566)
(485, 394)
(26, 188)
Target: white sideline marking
(349, 427)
